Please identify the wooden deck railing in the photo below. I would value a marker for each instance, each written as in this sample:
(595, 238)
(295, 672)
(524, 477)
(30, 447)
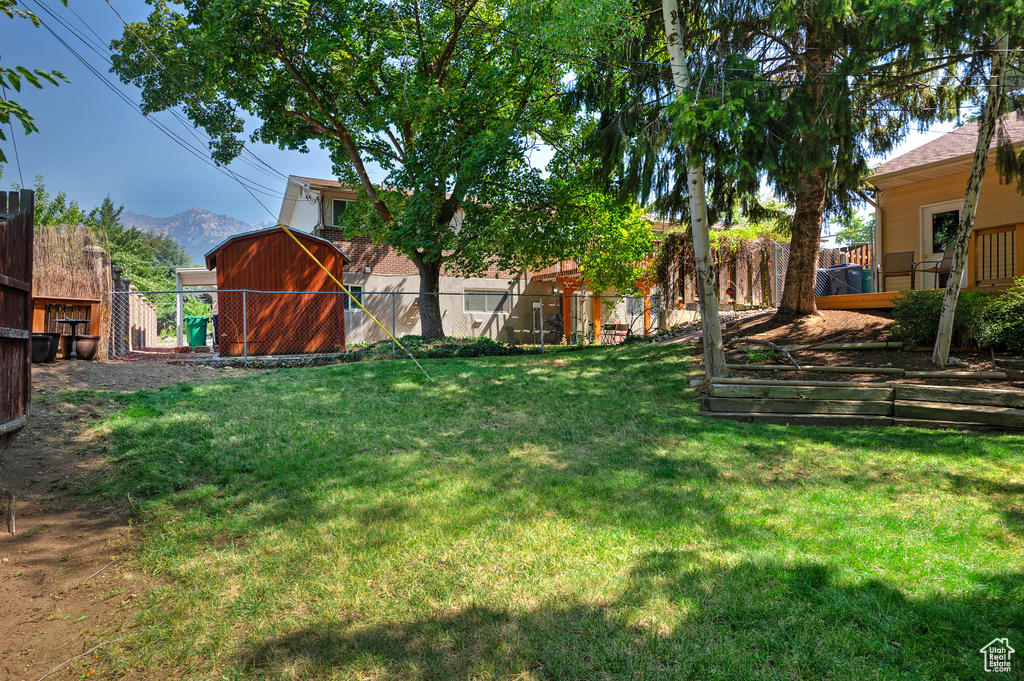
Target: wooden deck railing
(998, 256)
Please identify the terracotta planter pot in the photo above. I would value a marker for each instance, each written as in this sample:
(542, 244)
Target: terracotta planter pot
(65, 346)
(54, 346)
(40, 347)
(86, 347)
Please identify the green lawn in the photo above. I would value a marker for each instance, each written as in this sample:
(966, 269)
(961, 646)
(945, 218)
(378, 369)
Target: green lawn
(568, 516)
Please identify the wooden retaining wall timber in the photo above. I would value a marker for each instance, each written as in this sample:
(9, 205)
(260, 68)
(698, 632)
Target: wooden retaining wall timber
(894, 371)
(834, 403)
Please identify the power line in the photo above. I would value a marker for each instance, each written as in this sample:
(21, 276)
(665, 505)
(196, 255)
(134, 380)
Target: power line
(160, 126)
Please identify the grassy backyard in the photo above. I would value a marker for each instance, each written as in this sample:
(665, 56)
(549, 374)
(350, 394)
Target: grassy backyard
(568, 516)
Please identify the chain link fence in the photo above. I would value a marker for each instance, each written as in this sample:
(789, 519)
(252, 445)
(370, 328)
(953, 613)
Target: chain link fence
(275, 324)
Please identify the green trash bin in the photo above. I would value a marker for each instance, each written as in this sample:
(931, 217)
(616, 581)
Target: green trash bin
(867, 281)
(195, 330)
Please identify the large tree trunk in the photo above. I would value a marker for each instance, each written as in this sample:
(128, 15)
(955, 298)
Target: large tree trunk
(802, 270)
(714, 350)
(986, 130)
(431, 327)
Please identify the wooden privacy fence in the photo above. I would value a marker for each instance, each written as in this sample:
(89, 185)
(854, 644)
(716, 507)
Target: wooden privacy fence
(72, 281)
(747, 273)
(16, 221)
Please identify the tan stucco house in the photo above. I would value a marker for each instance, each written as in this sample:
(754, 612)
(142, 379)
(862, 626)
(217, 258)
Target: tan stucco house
(919, 197)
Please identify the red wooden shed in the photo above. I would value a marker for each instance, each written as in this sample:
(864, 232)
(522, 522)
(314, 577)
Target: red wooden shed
(268, 265)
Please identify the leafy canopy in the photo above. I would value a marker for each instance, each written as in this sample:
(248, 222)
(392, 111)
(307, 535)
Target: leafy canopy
(13, 77)
(447, 99)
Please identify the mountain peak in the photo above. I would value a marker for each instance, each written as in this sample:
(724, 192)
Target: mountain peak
(197, 229)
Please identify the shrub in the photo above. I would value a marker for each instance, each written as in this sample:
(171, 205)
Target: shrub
(916, 314)
(1005, 324)
(196, 308)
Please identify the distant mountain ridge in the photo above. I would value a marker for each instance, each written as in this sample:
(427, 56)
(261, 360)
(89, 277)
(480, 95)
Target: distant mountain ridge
(197, 229)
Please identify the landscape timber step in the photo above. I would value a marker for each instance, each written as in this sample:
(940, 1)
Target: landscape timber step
(800, 381)
(816, 369)
(1004, 417)
(801, 406)
(956, 374)
(882, 345)
(946, 425)
(830, 420)
(801, 392)
(984, 396)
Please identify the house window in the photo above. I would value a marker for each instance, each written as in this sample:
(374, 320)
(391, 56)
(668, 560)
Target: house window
(487, 301)
(357, 292)
(944, 227)
(338, 207)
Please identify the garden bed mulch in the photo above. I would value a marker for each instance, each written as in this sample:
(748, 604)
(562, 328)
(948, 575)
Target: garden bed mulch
(851, 326)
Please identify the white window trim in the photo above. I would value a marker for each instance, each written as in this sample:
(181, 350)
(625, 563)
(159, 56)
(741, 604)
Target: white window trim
(354, 288)
(925, 225)
(503, 291)
(334, 218)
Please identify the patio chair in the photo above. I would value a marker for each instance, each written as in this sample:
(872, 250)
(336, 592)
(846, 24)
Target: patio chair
(938, 267)
(898, 265)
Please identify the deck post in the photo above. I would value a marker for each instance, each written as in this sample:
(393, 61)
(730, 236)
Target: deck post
(596, 299)
(646, 291)
(568, 288)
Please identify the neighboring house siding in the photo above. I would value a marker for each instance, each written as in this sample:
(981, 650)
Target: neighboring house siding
(306, 214)
(901, 230)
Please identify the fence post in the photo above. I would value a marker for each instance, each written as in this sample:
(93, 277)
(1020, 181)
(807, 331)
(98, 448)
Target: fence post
(541, 323)
(245, 330)
(393, 354)
(775, 266)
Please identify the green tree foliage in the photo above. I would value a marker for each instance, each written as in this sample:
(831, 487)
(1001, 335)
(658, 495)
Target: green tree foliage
(56, 209)
(447, 99)
(801, 94)
(13, 78)
(855, 229)
(147, 259)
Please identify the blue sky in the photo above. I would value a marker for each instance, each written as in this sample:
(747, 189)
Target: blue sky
(91, 143)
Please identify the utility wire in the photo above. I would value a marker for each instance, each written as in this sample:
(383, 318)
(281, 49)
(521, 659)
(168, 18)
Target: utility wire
(199, 153)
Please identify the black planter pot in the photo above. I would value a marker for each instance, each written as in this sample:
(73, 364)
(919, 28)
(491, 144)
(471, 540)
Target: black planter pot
(40, 347)
(54, 346)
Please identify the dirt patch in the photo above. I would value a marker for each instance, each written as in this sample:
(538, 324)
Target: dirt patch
(849, 326)
(858, 326)
(66, 579)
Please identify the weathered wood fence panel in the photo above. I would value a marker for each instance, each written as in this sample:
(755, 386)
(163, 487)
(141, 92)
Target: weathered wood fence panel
(16, 222)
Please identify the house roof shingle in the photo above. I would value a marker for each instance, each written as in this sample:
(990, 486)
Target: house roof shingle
(953, 145)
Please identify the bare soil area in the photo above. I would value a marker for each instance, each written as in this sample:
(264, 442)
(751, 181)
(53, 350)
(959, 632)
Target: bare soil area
(850, 326)
(66, 578)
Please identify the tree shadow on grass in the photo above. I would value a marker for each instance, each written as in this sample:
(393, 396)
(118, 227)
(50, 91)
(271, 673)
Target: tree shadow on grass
(678, 618)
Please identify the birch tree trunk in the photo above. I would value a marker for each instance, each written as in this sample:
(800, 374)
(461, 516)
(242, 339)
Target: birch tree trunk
(986, 130)
(714, 351)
